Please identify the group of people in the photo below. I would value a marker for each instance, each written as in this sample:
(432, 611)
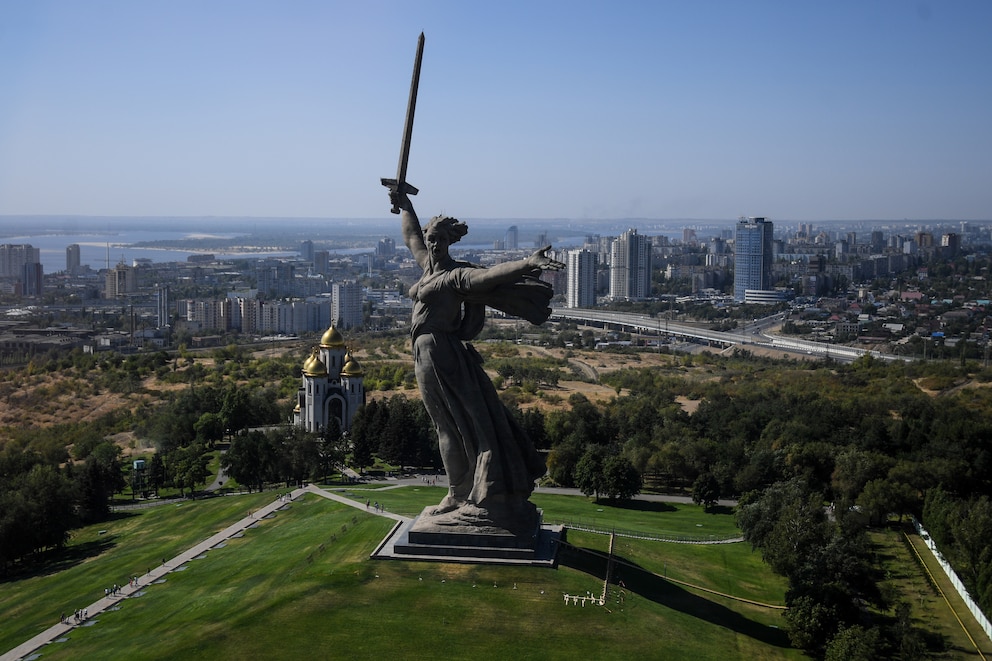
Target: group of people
(80, 615)
(115, 590)
(376, 506)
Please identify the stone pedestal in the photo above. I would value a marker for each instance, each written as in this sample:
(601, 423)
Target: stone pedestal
(422, 539)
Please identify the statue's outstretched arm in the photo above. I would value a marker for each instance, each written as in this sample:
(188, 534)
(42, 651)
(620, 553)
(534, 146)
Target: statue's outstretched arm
(483, 279)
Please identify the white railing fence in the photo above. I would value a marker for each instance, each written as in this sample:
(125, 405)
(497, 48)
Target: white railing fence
(952, 575)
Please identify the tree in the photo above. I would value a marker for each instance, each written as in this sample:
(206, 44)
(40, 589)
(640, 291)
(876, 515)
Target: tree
(621, 479)
(251, 460)
(363, 442)
(45, 508)
(99, 479)
(156, 473)
(236, 409)
(16, 523)
(93, 494)
(855, 644)
(826, 563)
(812, 622)
(188, 467)
(769, 516)
(532, 422)
(263, 408)
(331, 448)
(562, 460)
(881, 497)
(589, 473)
(799, 529)
(853, 469)
(299, 452)
(405, 437)
(209, 428)
(706, 490)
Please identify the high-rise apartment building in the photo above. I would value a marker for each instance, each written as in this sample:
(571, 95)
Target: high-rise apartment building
(346, 305)
(162, 316)
(32, 279)
(209, 314)
(13, 257)
(580, 269)
(951, 243)
(120, 280)
(511, 240)
(72, 259)
(386, 247)
(877, 241)
(306, 251)
(630, 266)
(752, 256)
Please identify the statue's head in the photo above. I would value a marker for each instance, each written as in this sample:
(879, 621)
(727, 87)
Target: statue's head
(440, 233)
(450, 228)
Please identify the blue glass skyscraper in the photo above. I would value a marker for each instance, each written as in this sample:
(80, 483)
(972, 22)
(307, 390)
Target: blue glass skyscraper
(752, 256)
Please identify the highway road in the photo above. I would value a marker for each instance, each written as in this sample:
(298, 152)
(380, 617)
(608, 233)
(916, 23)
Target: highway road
(753, 333)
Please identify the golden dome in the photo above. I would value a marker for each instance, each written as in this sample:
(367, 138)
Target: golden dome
(351, 366)
(313, 366)
(332, 339)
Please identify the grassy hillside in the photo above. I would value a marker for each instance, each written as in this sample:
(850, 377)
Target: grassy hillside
(301, 584)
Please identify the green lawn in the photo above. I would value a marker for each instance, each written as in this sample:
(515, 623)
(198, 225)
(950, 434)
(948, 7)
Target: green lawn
(101, 555)
(301, 584)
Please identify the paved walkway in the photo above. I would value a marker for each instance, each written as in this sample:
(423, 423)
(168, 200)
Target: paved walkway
(353, 503)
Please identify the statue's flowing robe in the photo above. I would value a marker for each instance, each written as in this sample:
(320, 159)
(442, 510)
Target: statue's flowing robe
(490, 461)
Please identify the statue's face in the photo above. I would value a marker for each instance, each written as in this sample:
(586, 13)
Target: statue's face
(437, 244)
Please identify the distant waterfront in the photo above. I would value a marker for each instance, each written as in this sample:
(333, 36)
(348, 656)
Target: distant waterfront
(94, 251)
(233, 238)
(100, 249)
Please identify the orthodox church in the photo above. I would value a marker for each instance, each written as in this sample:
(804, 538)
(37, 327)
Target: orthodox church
(333, 386)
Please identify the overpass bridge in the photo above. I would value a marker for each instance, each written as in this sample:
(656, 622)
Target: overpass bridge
(646, 324)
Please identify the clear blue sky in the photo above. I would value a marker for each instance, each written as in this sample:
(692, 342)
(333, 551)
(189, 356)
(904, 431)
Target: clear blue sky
(528, 109)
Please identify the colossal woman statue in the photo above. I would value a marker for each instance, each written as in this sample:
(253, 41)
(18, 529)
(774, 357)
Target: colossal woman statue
(490, 462)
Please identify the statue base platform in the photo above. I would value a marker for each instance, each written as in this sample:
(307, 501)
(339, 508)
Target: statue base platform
(421, 539)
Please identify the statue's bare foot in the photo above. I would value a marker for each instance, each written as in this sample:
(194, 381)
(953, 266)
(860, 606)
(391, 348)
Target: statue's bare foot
(448, 504)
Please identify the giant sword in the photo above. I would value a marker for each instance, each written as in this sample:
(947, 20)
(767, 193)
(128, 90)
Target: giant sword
(399, 184)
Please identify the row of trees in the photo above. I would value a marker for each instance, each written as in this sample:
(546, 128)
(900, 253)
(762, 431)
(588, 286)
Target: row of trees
(204, 414)
(40, 502)
(827, 558)
(518, 371)
(285, 454)
(397, 430)
(962, 529)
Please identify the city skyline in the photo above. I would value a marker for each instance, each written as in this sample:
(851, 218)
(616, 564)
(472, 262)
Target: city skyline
(839, 111)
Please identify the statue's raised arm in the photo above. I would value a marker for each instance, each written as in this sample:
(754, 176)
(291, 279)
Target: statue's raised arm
(413, 236)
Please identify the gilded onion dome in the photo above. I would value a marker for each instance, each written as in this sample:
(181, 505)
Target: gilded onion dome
(351, 366)
(313, 366)
(332, 339)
